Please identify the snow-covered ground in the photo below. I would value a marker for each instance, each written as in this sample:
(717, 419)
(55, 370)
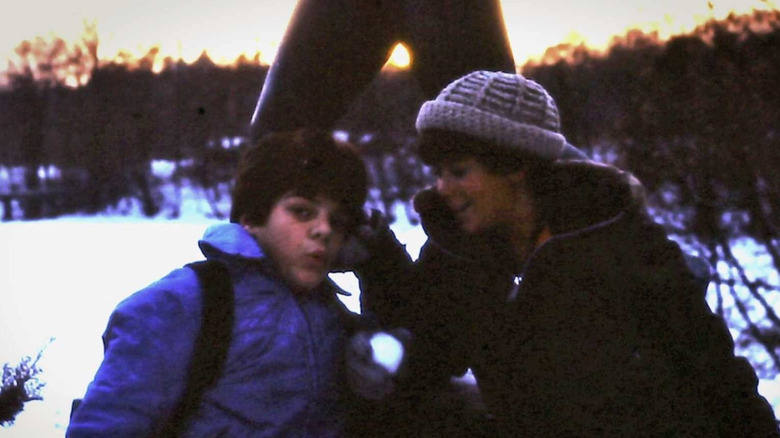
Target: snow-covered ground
(61, 278)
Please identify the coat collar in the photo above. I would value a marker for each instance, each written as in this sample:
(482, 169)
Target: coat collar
(230, 239)
(580, 196)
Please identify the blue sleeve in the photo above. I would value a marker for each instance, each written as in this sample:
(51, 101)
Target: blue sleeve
(148, 344)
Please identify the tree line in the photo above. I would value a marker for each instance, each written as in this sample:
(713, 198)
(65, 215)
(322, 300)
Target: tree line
(105, 132)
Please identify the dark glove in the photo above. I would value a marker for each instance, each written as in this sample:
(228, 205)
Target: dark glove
(373, 238)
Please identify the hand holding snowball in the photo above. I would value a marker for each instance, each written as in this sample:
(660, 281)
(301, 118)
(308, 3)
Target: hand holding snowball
(373, 360)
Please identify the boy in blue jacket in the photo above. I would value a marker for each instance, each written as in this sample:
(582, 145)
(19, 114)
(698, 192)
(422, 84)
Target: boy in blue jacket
(297, 197)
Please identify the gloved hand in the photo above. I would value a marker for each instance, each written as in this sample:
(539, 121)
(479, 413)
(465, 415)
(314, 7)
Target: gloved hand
(370, 374)
(373, 237)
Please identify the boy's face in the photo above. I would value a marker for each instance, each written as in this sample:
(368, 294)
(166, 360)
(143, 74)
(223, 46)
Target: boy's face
(302, 236)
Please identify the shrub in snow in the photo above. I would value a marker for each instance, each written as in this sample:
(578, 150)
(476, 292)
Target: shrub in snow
(20, 385)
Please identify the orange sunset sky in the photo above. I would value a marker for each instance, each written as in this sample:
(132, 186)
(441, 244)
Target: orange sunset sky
(229, 28)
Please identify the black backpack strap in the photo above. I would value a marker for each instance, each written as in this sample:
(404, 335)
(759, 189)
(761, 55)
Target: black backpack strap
(211, 344)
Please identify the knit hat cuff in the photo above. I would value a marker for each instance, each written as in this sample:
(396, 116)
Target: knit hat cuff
(521, 137)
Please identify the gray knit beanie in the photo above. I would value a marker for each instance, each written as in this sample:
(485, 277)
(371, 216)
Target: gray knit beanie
(502, 108)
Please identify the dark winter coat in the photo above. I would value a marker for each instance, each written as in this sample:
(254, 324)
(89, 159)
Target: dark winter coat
(283, 373)
(603, 332)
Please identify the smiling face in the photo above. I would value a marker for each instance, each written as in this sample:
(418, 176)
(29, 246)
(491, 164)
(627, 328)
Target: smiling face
(302, 237)
(481, 200)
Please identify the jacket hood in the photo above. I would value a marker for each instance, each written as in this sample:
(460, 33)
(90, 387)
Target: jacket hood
(575, 197)
(229, 239)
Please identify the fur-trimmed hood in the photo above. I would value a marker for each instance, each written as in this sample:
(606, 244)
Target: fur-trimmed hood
(577, 196)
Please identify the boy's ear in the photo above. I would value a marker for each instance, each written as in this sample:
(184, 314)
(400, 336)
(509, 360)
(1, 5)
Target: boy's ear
(255, 230)
(245, 224)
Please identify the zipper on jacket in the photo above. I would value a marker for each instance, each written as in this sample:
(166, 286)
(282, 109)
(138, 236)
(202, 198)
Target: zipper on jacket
(517, 280)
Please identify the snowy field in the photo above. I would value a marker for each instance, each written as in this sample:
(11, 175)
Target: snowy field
(62, 278)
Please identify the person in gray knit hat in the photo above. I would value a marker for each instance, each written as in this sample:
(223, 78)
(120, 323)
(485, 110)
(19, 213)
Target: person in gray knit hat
(544, 275)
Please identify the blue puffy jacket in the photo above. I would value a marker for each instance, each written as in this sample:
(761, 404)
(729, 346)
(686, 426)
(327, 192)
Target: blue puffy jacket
(284, 369)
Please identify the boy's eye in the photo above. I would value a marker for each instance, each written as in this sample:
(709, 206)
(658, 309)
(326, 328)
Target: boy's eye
(302, 212)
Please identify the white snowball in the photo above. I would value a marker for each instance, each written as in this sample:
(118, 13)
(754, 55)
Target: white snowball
(388, 351)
